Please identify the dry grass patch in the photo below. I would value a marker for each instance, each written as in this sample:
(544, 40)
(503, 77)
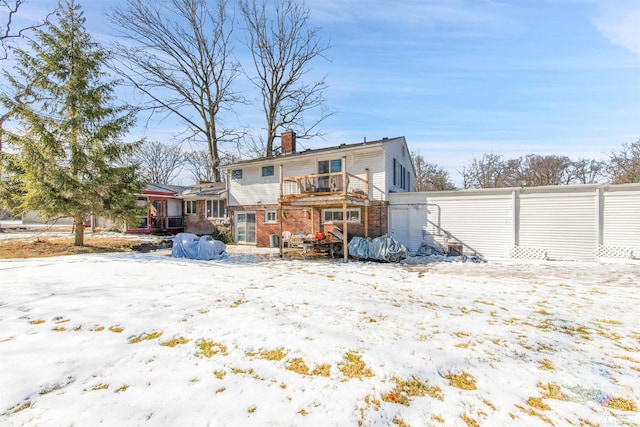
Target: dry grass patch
(121, 389)
(552, 391)
(116, 329)
(37, 322)
(469, 421)
(99, 386)
(209, 349)
(322, 370)
(545, 365)
(276, 355)
(463, 381)
(538, 403)
(58, 246)
(145, 337)
(404, 390)
(298, 366)
(354, 367)
(20, 408)
(609, 321)
(399, 422)
(174, 342)
(621, 404)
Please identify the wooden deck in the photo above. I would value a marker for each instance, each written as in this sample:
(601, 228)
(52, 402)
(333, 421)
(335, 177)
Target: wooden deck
(326, 189)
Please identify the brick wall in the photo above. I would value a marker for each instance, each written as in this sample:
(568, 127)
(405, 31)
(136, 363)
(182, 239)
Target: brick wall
(198, 223)
(299, 219)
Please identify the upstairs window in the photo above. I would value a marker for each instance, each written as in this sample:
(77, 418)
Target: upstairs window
(401, 175)
(268, 170)
(237, 174)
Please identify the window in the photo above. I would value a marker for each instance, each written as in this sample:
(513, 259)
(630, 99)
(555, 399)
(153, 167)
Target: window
(327, 166)
(189, 207)
(330, 166)
(335, 215)
(401, 175)
(215, 208)
(268, 171)
(270, 217)
(236, 174)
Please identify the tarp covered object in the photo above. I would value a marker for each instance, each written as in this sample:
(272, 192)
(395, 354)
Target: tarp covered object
(383, 248)
(187, 245)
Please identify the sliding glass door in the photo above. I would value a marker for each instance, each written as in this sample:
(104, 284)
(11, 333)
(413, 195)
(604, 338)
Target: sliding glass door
(245, 227)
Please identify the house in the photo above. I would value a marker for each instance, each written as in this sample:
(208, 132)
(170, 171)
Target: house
(309, 191)
(204, 207)
(164, 212)
(197, 209)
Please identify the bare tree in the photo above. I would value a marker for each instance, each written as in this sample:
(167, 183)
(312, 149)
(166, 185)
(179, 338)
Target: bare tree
(429, 176)
(179, 57)
(539, 170)
(8, 30)
(159, 162)
(198, 163)
(624, 167)
(587, 171)
(282, 51)
(491, 171)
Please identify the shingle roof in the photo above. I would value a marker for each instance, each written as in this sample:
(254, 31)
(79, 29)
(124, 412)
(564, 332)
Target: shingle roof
(309, 151)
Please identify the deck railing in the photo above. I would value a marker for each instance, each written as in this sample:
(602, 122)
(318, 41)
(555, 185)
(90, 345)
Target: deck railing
(325, 184)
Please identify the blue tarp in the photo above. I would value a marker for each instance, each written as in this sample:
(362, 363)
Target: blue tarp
(187, 245)
(383, 248)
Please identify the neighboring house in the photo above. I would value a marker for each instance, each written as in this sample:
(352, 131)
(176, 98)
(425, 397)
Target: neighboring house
(205, 207)
(171, 209)
(164, 212)
(345, 186)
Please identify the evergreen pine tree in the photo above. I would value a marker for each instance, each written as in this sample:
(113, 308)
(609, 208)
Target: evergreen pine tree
(66, 148)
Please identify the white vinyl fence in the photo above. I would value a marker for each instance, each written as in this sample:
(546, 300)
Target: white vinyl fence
(580, 222)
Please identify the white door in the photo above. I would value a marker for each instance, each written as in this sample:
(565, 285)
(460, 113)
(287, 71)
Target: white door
(245, 227)
(400, 225)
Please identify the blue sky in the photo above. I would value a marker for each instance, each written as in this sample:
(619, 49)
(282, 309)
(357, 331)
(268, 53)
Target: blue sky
(460, 78)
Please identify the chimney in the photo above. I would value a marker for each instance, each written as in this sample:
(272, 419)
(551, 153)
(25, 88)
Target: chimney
(288, 140)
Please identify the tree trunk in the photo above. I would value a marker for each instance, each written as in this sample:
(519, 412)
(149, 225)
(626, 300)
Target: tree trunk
(79, 231)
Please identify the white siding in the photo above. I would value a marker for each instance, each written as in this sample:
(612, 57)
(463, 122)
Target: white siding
(621, 219)
(254, 188)
(569, 222)
(562, 223)
(482, 222)
(397, 149)
(416, 205)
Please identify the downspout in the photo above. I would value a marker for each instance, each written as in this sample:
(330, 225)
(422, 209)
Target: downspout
(280, 214)
(345, 248)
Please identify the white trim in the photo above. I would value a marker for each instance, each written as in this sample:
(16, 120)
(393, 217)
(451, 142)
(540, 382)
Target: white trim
(275, 216)
(187, 210)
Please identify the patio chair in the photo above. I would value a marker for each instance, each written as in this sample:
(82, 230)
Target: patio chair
(286, 238)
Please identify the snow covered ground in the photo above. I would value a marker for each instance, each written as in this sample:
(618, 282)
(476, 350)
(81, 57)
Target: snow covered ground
(132, 339)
